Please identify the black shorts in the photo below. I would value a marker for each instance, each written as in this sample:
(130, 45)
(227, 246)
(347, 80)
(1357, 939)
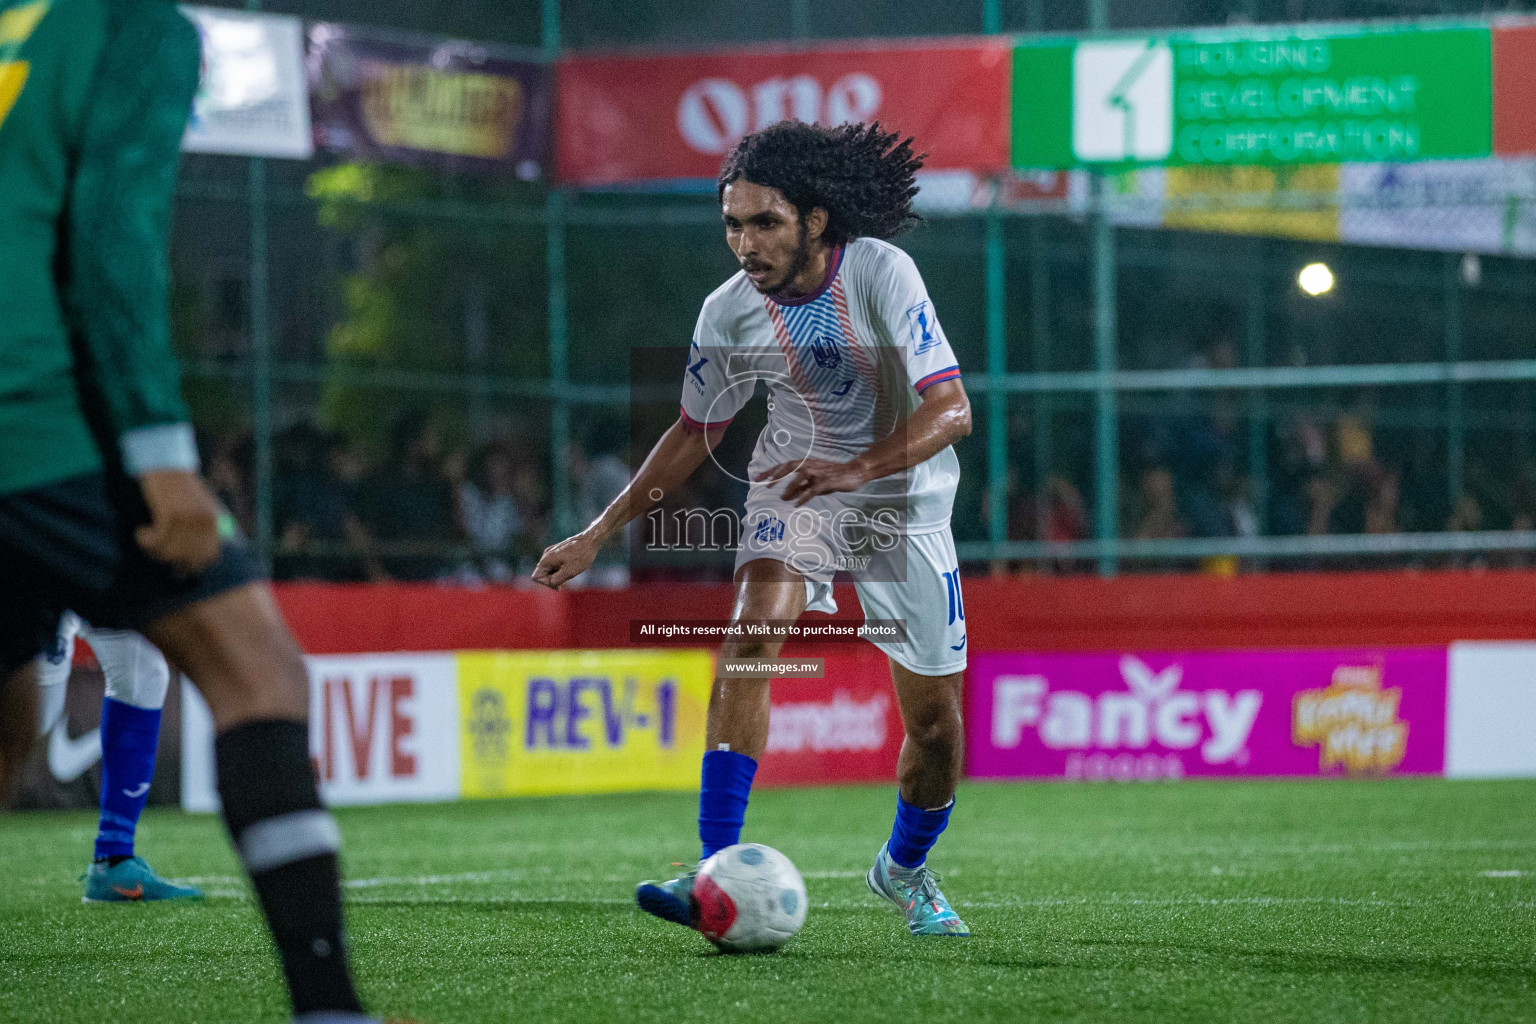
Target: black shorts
(70, 546)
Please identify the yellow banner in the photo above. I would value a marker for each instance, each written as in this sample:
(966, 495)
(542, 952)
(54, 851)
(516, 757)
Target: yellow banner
(1256, 201)
(455, 112)
(537, 723)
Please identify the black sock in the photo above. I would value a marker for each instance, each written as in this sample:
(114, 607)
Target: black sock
(289, 844)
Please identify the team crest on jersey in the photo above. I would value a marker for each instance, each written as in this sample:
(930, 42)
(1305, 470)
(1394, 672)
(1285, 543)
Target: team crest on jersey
(922, 328)
(770, 530)
(824, 348)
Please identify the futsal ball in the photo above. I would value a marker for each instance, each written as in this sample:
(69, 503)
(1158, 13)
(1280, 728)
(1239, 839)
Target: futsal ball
(750, 899)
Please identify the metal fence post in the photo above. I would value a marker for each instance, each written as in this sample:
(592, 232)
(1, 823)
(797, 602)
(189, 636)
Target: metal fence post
(1042, 402)
(991, 17)
(799, 19)
(997, 338)
(1107, 405)
(997, 367)
(1106, 437)
(555, 270)
(1456, 431)
(260, 326)
(1255, 354)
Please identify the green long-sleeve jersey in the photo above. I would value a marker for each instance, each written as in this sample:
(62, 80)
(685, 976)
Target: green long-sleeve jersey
(94, 99)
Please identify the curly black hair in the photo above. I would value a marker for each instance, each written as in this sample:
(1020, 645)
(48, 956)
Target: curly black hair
(862, 176)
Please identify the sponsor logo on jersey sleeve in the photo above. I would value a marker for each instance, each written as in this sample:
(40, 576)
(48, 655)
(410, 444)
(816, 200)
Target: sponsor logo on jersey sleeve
(695, 367)
(923, 328)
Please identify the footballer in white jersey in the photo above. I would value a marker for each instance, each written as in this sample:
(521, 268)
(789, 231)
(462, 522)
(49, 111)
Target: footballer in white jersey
(854, 471)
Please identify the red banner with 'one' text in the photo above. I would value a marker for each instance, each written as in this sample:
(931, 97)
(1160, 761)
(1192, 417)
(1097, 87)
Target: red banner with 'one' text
(651, 118)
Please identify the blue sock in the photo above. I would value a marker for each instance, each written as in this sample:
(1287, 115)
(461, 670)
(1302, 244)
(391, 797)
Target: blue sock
(727, 782)
(915, 832)
(129, 736)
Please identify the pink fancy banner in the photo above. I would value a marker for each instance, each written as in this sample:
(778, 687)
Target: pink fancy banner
(1159, 716)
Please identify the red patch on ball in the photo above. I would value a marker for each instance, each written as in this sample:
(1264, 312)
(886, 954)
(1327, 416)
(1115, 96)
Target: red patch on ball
(717, 911)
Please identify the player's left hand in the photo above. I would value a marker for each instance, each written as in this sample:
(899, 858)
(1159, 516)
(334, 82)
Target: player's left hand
(813, 477)
(183, 527)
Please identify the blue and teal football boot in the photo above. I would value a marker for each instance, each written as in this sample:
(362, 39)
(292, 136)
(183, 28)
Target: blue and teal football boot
(131, 881)
(671, 900)
(915, 891)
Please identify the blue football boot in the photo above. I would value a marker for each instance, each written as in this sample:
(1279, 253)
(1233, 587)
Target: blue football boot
(915, 891)
(131, 881)
(671, 900)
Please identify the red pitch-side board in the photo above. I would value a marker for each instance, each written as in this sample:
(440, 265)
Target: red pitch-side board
(1019, 613)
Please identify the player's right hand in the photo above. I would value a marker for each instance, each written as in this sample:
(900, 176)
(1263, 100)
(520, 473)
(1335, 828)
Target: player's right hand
(565, 560)
(183, 528)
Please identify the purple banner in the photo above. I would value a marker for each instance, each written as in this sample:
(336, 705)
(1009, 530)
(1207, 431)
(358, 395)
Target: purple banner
(463, 106)
(1158, 716)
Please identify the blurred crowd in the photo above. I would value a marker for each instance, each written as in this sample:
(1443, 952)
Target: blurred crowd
(419, 508)
(422, 510)
(1188, 472)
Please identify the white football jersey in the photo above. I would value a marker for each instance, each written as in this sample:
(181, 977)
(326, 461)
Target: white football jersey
(844, 367)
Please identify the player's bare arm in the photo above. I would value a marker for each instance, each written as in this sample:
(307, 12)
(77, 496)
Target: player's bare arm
(673, 459)
(943, 418)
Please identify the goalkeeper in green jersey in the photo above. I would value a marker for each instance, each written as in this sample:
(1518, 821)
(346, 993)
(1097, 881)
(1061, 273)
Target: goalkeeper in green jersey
(102, 510)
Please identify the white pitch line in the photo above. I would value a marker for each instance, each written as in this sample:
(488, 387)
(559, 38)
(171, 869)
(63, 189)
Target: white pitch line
(511, 901)
(821, 875)
(1189, 901)
(1501, 874)
(507, 874)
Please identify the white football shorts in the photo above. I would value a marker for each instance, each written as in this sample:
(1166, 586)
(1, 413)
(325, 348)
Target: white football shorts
(913, 579)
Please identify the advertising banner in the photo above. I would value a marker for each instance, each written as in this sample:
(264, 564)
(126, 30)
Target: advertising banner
(1491, 732)
(1481, 206)
(1514, 87)
(390, 728)
(383, 728)
(651, 118)
(253, 99)
(1281, 95)
(546, 722)
(1163, 716)
(843, 728)
(460, 105)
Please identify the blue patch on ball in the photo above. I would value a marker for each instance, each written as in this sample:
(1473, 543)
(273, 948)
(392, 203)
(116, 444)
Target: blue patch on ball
(751, 856)
(789, 900)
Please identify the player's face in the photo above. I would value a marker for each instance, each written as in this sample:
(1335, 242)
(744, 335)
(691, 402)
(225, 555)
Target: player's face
(766, 233)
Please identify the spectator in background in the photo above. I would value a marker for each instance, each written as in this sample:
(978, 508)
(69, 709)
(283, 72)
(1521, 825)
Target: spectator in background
(228, 472)
(1302, 457)
(1158, 517)
(1466, 517)
(598, 474)
(488, 508)
(1383, 503)
(408, 504)
(1055, 513)
(532, 497)
(315, 496)
(1241, 509)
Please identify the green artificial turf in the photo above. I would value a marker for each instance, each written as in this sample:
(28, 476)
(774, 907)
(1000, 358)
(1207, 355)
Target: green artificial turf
(1243, 901)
